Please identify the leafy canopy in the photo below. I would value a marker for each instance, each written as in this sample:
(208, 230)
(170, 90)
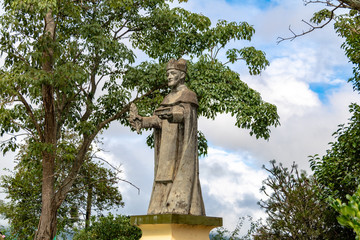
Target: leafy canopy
(92, 76)
(110, 227)
(339, 170)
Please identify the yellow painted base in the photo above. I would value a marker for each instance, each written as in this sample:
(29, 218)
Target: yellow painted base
(175, 232)
(175, 226)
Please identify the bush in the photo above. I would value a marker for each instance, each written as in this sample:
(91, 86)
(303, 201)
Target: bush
(110, 228)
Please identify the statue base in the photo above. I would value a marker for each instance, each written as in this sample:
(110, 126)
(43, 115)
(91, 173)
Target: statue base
(175, 226)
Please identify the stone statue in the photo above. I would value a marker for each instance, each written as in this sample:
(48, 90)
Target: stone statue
(176, 186)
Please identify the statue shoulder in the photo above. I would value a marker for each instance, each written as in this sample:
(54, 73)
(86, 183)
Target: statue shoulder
(189, 96)
(185, 95)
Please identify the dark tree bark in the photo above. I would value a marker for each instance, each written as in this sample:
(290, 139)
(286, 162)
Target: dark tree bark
(354, 4)
(88, 206)
(47, 224)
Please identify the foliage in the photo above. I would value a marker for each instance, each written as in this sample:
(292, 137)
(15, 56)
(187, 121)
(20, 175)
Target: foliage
(347, 26)
(3, 230)
(94, 189)
(294, 206)
(69, 68)
(349, 212)
(222, 233)
(339, 170)
(110, 228)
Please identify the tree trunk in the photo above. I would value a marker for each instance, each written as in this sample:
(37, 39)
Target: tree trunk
(88, 206)
(48, 220)
(354, 4)
(47, 224)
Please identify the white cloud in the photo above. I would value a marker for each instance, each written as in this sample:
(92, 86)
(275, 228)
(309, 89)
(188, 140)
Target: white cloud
(298, 137)
(228, 177)
(230, 185)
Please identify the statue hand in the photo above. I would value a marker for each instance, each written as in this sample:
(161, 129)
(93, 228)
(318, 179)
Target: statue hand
(136, 122)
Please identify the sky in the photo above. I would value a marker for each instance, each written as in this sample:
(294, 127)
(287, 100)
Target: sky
(306, 80)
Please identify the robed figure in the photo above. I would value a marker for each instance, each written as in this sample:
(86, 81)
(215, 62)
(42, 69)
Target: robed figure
(176, 187)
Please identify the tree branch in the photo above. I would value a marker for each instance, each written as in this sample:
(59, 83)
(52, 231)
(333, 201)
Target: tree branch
(93, 87)
(327, 2)
(67, 183)
(237, 59)
(312, 27)
(117, 31)
(118, 171)
(125, 109)
(32, 116)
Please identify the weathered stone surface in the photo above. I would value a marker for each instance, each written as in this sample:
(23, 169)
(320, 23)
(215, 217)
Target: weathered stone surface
(175, 219)
(176, 187)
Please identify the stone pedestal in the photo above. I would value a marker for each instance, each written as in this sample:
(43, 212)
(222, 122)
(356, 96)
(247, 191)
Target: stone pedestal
(175, 226)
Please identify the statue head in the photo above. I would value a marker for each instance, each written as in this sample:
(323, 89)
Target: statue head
(176, 72)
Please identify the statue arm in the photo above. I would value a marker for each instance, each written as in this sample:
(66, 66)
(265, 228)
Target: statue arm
(138, 122)
(151, 122)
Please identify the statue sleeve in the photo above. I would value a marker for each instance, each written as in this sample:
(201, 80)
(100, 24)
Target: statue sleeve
(177, 114)
(151, 122)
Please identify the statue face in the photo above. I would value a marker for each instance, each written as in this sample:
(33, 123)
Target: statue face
(175, 77)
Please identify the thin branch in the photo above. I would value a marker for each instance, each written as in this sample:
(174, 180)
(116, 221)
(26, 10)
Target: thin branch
(124, 110)
(104, 180)
(93, 88)
(237, 59)
(107, 162)
(217, 52)
(66, 103)
(26, 129)
(10, 100)
(312, 27)
(70, 178)
(127, 31)
(32, 116)
(121, 28)
(327, 2)
(13, 136)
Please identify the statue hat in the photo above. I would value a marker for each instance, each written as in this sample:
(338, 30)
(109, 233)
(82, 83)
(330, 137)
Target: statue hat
(180, 65)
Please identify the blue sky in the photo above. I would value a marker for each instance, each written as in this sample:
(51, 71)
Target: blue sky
(306, 80)
(262, 4)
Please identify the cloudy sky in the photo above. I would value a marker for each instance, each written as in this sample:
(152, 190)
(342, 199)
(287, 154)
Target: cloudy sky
(306, 80)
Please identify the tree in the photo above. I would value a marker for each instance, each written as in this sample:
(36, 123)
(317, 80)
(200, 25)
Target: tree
(110, 228)
(68, 69)
(350, 212)
(339, 170)
(222, 233)
(294, 207)
(94, 188)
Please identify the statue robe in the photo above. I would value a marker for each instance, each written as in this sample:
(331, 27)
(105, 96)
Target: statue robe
(176, 187)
